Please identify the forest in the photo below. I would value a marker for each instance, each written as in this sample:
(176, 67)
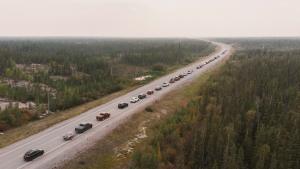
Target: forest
(72, 71)
(246, 116)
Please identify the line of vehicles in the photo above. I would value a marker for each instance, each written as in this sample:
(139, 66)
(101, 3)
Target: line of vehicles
(84, 126)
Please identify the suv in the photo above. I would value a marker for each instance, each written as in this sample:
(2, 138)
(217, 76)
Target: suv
(102, 116)
(122, 105)
(142, 96)
(32, 154)
(83, 127)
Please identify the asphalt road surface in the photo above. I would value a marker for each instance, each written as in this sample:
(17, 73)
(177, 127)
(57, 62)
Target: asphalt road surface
(57, 150)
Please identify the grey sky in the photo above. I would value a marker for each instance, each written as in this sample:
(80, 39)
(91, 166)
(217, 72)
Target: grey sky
(150, 18)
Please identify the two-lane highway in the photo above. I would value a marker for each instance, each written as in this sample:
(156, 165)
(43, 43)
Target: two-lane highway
(57, 150)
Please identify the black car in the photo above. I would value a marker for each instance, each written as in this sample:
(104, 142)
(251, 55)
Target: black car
(83, 127)
(122, 105)
(32, 154)
(142, 96)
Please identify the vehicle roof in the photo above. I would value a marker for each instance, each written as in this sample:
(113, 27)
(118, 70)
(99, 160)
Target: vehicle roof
(31, 151)
(83, 123)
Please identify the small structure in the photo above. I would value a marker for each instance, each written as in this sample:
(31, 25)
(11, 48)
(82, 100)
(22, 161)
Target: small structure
(142, 78)
(5, 103)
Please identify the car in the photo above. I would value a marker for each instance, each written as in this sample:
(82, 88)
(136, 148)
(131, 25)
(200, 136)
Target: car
(32, 154)
(158, 88)
(165, 84)
(122, 105)
(189, 72)
(177, 78)
(102, 116)
(150, 92)
(172, 80)
(134, 99)
(200, 66)
(83, 127)
(68, 136)
(142, 96)
(181, 76)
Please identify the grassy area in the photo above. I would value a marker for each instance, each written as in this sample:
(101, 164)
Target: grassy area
(34, 127)
(109, 152)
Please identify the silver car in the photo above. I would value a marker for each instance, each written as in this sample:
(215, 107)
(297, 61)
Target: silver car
(165, 84)
(68, 136)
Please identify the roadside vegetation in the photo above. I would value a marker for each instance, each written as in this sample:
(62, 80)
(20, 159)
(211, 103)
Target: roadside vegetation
(70, 72)
(246, 115)
(115, 150)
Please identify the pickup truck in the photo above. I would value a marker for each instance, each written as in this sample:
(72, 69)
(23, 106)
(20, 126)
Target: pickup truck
(83, 127)
(102, 116)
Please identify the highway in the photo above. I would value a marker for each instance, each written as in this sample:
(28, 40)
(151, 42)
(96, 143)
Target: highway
(57, 150)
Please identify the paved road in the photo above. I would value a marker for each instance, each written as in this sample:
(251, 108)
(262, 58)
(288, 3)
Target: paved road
(57, 150)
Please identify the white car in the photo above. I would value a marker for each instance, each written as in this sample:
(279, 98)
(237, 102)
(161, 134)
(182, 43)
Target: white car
(68, 136)
(134, 99)
(165, 84)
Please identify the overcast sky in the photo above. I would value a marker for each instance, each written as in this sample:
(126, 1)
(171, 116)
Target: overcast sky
(150, 18)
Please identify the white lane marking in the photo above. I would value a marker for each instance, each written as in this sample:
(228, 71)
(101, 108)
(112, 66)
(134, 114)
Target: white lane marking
(24, 165)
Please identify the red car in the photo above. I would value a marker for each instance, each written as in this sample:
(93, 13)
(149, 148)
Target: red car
(150, 92)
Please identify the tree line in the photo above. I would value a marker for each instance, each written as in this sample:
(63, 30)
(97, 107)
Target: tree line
(246, 116)
(87, 68)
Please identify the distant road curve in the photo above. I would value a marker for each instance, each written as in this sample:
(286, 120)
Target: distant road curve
(57, 150)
